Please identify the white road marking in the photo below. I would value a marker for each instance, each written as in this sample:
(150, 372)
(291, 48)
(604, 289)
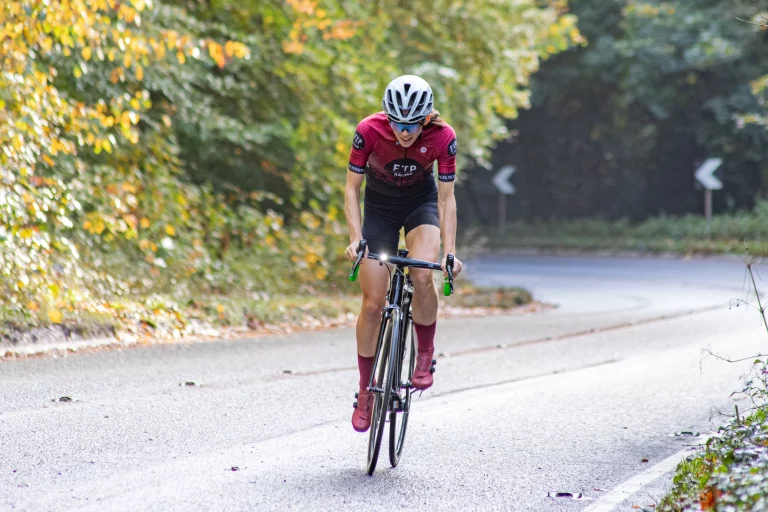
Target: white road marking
(609, 502)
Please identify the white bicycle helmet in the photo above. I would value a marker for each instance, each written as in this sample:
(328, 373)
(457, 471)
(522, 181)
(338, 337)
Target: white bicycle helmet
(408, 99)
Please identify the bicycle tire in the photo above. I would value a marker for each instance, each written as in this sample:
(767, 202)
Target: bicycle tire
(383, 382)
(406, 356)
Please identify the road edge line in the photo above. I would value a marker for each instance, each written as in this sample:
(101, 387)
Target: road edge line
(609, 502)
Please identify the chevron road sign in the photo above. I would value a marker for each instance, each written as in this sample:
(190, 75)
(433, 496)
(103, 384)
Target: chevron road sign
(501, 180)
(705, 174)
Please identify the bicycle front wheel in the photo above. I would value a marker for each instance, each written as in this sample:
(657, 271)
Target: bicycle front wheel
(406, 358)
(384, 372)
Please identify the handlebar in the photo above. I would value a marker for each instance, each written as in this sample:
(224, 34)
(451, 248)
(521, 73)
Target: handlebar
(404, 262)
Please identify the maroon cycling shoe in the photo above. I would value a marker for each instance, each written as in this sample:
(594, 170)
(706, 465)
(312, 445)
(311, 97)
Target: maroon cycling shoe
(361, 418)
(425, 367)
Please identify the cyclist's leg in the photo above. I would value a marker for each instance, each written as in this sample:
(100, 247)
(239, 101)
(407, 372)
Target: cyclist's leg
(382, 234)
(423, 242)
(374, 281)
(381, 229)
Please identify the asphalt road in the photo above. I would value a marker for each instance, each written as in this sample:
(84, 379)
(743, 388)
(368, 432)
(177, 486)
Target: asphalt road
(569, 400)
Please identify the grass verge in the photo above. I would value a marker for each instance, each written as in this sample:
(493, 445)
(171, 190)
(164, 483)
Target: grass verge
(690, 234)
(166, 317)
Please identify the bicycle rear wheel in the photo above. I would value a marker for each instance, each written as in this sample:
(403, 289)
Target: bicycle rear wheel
(384, 372)
(406, 357)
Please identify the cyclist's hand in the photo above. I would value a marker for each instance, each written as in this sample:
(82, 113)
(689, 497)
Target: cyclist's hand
(456, 266)
(351, 251)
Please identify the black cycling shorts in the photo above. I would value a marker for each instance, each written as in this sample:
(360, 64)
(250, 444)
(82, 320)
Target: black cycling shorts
(384, 215)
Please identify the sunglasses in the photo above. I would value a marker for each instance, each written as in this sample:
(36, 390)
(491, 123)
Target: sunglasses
(408, 127)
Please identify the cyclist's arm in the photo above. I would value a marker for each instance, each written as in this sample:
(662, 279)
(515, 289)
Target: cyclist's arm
(362, 145)
(446, 206)
(446, 201)
(352, 206)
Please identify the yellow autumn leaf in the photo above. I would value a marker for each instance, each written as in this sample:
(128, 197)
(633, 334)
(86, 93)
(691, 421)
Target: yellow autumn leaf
(220, 308)
(170, 230)
(33, 306)
(48, 160)
(311, 258)
(54, 315)
(86, 53)
(214, 49)
(321, 273)
(144, 222)
(26, 233)
(139, 73)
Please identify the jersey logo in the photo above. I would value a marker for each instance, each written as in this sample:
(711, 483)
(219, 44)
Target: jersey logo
(358, 142)
(404, 167)
(423, 150)
(452, 148)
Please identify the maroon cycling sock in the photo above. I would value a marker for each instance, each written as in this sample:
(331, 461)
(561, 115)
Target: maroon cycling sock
(365, 365)
(426, 336)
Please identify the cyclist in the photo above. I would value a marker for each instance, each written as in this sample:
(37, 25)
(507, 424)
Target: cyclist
(395, 150)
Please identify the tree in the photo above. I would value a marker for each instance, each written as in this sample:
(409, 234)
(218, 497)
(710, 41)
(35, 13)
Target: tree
(619, 126)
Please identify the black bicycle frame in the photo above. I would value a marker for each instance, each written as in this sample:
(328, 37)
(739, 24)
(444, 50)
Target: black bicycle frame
(396, 290)
(394, 304)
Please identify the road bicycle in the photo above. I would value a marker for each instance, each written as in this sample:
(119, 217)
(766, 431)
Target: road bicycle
(395, 357)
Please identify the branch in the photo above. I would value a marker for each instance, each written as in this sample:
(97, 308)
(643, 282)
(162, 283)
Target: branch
(753, 23)
(732, 360)
(741, 301)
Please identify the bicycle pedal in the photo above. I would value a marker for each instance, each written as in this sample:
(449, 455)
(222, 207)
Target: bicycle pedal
(356, 395)
(354, 405)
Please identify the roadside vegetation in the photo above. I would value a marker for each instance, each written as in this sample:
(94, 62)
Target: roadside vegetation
(730, 473)
(689, 234)
(164, 161)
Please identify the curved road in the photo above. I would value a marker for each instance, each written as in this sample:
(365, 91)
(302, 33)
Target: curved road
(579, 399)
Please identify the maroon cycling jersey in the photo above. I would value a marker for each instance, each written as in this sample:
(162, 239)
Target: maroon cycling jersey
(397, 171)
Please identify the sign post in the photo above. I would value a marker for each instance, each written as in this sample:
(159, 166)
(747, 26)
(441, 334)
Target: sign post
(705, 175)
(505, 188)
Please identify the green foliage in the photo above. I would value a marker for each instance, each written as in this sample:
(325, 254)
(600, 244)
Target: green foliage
(199, 148)
(322, 66)
(731, 471)
(619, 126)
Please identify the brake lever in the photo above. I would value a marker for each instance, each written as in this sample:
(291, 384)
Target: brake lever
(360, 255)
(448, 286)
